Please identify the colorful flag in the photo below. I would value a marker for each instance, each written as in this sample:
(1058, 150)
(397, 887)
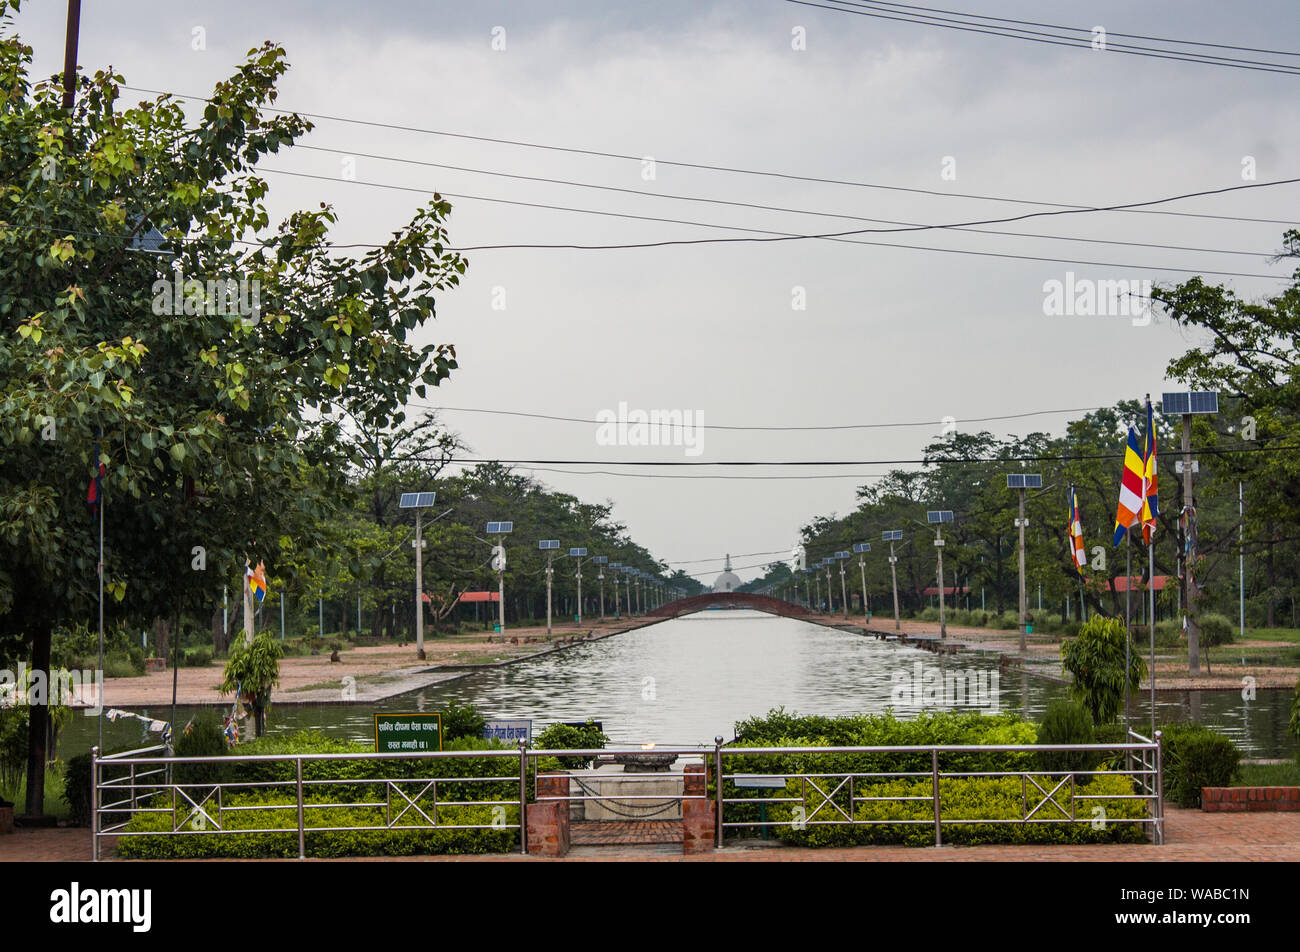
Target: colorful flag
(95, 491)
(1076, 532)
(257, 581)
(1150, 496)
(1131, 488)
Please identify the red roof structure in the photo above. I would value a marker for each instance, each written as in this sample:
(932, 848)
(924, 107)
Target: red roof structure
(1134, 583)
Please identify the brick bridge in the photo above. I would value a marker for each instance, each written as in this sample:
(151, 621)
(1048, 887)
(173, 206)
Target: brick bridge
(698, 603)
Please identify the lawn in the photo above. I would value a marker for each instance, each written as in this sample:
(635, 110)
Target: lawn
(54, 804)
(1269, 775)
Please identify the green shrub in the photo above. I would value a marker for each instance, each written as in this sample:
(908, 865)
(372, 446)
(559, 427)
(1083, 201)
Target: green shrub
(1095, 659)
(1066, 722)
(76, 789)
(1216, 630)
(202, 737)
(568, 737)
(964, 798)
(197, 657)
(197, 840)
(1295, 714)
(1169, 634)
(462, 721)
(1196, 757)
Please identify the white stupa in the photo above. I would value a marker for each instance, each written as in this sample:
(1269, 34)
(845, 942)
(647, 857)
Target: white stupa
(728, 581)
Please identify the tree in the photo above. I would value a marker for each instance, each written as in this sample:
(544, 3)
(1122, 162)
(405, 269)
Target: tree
(252, 672)
(217, 423)
(1096, 660)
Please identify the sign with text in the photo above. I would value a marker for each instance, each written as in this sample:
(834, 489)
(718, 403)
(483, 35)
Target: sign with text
(407, 733)
(510, 730)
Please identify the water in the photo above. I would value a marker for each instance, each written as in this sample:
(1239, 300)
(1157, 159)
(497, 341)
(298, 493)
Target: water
(687, 680)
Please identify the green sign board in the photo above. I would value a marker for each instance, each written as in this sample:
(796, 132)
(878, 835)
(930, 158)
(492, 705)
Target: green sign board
(407, 733)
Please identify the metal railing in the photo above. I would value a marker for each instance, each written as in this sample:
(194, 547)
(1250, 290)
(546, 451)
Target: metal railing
(1046, 796)
(145, 783)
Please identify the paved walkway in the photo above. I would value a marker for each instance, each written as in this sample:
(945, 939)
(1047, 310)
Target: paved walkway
(1191, 836)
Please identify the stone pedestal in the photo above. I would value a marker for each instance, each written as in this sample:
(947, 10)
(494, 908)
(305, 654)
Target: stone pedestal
(548, 820)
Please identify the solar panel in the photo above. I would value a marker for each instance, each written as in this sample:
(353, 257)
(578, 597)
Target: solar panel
(600, 559)
(842, 554)
(938, 515)
(862, 547)
(547, 543)
(578, 552)
(426, 499)
(892, 535)
(1024, 481)
(498, 528)
(1194, 401)
(408, 500)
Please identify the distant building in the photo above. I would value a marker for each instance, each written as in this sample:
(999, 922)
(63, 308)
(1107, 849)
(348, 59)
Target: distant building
(728, 581)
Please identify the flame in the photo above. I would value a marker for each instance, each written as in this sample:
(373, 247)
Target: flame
(649, 746)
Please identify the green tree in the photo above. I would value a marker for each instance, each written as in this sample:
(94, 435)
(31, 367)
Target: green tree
(218, 425)
(1096, 660)
(252, 672)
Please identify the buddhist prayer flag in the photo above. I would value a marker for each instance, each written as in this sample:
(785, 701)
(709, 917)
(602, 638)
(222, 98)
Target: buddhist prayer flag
(1132, 488)
(1150, 496)
(1076, 533)
(94, 492)
(257, 581)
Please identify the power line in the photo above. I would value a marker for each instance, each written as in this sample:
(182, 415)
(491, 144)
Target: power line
(931, 461)
(1032, 36)
(719, 426)
(700, 166)
(1053, 26)
(755, 205)
(724, 476)
(779, 236)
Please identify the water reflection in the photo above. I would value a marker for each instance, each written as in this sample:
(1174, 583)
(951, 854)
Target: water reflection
(687, 680)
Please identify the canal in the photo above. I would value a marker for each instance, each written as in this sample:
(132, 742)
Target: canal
(686, 680)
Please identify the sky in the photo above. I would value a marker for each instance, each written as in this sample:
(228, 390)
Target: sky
(794, 333)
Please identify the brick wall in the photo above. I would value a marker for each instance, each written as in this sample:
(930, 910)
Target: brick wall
(1249, 799)
(548, 820)
(697, 815)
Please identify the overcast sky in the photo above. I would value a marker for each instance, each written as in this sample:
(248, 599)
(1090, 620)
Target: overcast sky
(886, 334)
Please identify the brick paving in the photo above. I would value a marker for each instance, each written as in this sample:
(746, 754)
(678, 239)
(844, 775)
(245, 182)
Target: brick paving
(626, 832)
(1191, 836)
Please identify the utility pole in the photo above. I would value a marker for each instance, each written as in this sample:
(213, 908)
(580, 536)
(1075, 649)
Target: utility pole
(1020, 482)
(548, 592)
(892, 536)
(419, 586)
(1241, 553)
(844, 591)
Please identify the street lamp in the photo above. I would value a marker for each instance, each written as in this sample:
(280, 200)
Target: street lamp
(580, 554)
(844, 591)
(891, 536)
(601, 560)
(937, 518)
(499, 566)
(419, 502)
(1021, 482)
(862, 548)
(548, 546)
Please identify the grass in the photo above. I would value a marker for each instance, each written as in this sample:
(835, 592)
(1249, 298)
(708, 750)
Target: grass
(1274, 634)
(1269, 775)
(54, 804)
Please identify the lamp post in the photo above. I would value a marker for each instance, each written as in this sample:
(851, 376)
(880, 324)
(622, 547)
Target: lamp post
(937, 518)
(419, 502)
(499, 566)
(891, 536)
(1020, 482)
(862, 548)
(842, 556)
(581, 555)
(548, 546)
(601, 560)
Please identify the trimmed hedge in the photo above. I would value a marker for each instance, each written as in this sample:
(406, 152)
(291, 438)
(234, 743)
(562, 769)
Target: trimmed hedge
(969, 798)
(325, 843)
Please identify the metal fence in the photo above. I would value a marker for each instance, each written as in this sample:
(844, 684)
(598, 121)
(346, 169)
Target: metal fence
(833, 798)
(146, 783)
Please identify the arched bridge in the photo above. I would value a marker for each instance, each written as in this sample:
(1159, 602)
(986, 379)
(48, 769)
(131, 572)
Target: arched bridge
(699, 603)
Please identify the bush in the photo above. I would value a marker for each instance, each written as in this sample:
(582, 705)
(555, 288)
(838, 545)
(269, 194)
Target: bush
(1066, 722)
(966, 798)
(568, 737)
(458, 721)
(202, 737)
(196, 657)
(1096, 660)
(1216, 630)
(1196, 757)
(76, 789)
(1295, 714)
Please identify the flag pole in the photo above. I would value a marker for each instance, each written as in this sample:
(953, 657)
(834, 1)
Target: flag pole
(99, 503)
(1128, 630)
(1151, 582)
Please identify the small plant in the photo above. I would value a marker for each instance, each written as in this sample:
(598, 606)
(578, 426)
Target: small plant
(570, 737)
(1066, 722)
(202, 737)
(461, 721)
(1096, 660)
(254, 670)
(1196, 757)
